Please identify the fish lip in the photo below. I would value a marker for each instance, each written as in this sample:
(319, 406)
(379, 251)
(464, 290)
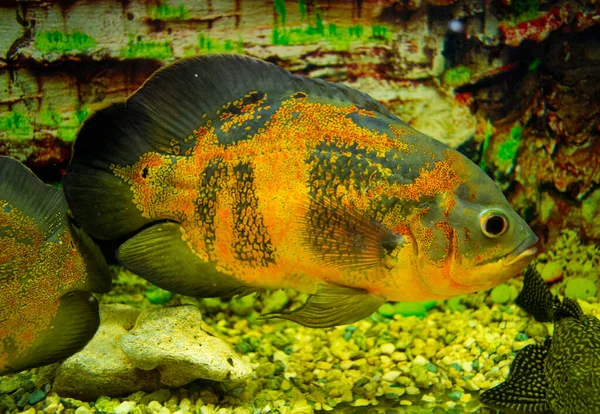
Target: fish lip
(525, 249)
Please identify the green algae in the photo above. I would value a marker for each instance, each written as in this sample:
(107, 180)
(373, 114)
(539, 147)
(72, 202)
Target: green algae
(158, 296)
(56, 41)
(147, 49)
(279, 6)
(534, 65)
(522, 10)
(458, 75)
(206, 44)
(338, 37)
(50, 118)
(16, 124)
(506, 153)
(486, 144)
(455, 304)
(418, 309)
(165, 11)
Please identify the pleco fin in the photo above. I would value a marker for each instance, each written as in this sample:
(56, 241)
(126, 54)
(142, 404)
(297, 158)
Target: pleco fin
(24, 191)
(535, 297)
(340, 236)
(332, 305)
(161, 255)
(525, 388)
(569, 308)
(75, 323)
(98, 278)
(101, 202)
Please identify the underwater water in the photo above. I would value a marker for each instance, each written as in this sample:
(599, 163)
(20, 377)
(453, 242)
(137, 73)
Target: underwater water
(248, 279)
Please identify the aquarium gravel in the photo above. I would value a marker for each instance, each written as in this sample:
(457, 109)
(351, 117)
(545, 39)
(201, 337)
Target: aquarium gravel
(387, 363)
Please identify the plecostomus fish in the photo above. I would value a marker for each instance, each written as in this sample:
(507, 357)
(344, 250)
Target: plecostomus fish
(47, 268)
(224, 173)
(562, 376)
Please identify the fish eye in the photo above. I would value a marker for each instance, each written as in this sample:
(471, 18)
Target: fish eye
(493, 223)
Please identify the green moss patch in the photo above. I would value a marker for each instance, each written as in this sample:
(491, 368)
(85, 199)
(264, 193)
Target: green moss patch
(147, 49)
(457, 76)
(17, 124)
(168, 12)
(56, 41)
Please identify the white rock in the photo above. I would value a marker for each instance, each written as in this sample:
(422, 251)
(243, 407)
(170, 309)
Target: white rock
(419, 360)
(172, 341)
(390, 376)
(125, 407)
(387, 348)
(101, 368)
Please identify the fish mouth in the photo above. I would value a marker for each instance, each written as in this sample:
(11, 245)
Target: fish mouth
(523, 251)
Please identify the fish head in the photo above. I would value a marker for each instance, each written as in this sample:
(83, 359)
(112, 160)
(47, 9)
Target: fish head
(573, 365)
(469, 239)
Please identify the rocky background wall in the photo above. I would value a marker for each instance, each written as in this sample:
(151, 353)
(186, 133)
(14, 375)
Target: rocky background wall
(515, 84)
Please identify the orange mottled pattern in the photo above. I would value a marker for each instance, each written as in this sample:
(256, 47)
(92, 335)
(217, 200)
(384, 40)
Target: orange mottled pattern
(39, 273)
(238, 204)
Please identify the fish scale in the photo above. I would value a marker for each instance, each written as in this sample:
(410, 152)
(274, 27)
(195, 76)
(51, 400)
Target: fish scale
(311, 185)
(47, 269)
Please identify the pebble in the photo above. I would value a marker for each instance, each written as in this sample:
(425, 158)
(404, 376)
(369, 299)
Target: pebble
(471, 386)
(153, 407)
(83, 410)
(467, 366)
(184, 406)
(413, 391)
(125, 407)
(387, 348)
(428, 398)
(36, 396)
(399, 356)
(51, 409)
(419, 360)
(361, 402)
(391, 376)
(552, 271)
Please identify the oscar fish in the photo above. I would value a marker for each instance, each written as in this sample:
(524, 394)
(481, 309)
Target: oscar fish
(561, 376)
(224, 173)
(48, 267)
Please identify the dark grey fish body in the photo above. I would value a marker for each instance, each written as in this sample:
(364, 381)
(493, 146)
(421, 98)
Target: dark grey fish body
(572, 366)
(562, 376)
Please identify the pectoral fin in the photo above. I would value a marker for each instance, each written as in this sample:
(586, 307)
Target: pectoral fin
(160, 255)
(525, 388)
(333, 305)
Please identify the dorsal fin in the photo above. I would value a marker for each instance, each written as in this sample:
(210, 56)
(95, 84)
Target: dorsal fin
(177, 96)
(24, 191)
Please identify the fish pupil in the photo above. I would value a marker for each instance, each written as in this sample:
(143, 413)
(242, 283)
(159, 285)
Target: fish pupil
(495, 225)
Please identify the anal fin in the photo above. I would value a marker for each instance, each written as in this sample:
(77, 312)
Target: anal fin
(75, 323)
(333, 305)
(160, 255)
